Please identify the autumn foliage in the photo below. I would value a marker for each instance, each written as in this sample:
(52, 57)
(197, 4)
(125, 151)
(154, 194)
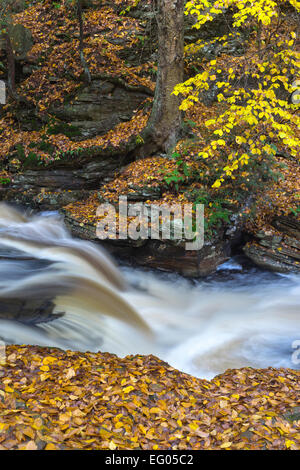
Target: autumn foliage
(50, 399)
(255, 118)
(243, 145)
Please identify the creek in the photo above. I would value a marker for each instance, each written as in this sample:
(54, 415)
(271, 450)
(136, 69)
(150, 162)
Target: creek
(68, 293)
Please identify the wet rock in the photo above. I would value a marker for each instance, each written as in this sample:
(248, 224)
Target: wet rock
(56, 200)
(27, 311)
(138, 193)
(166, 255)
(89, 176)
(52, 179)
(288, 225)
(280, 253)
(172, 256)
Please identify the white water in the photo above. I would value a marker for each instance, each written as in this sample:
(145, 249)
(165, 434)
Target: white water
(233, 319)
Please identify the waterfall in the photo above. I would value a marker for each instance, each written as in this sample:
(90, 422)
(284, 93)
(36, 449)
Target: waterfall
(67, 293)
(77, 277)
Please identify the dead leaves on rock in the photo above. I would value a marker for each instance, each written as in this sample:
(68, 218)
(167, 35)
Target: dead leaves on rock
(57, 76)
(51, 399)
(280, 197)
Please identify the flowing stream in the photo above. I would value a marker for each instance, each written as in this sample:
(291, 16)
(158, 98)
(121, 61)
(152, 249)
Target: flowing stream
(76, 297)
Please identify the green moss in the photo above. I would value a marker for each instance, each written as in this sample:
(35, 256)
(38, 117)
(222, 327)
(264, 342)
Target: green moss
(63, 128)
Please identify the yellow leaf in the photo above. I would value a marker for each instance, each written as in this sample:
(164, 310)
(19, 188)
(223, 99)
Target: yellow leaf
(29, 432)
(128, 389)
(37, 424)
(112, 445)
(119, 425)
(75, 397)
(44, 377)
(226, 445)
(70, 373)
(216, 184)
(193, 426)
(155, 410)
(223, 403)
(63, 418)
(50, 446)
(49, 360)
(288, 443)
(142, 428)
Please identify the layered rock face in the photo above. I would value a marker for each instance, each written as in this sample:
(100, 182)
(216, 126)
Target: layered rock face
(100, 107)
(280, 252)
(90, 175)
(166, 255)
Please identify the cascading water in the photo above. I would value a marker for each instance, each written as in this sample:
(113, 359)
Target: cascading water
(85, 302)
(76, 277)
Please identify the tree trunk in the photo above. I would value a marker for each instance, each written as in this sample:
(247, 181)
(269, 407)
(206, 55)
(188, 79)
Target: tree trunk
(11, 73)
(164, 124)
(11, 70)
(87, 74)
